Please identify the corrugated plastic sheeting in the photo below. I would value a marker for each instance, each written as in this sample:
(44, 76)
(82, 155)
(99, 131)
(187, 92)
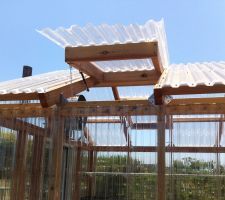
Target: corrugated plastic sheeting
(126, 65)
(135, 92)
(112, 34)
(198, 96)
(193, 74)
(40, 83)
(197, 133)
(107, 134)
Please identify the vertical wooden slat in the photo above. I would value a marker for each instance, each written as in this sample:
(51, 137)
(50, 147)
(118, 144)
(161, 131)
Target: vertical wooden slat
(76, 193)
(90, 169)
(161, 156)
(36, 170)
(19, 171)
(57, 132)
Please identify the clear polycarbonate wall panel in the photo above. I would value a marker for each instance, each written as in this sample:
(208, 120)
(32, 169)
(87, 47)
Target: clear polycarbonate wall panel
(196, 130)
(107, 131)
(119, 175)
(112, 34)
(195, 176)
(197, 171)
(7, 154)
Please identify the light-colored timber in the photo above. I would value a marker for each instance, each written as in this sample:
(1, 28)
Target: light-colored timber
(111, 52)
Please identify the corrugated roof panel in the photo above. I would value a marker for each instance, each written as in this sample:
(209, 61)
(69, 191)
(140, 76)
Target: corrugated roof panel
(112, 34)
(193, 74)
(40, 83)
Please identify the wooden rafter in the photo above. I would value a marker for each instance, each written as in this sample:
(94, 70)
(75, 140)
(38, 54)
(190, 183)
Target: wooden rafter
(129, 78)
(182, 90)
(53, 97)
(91, 69)
(123, 120)
(110, 79)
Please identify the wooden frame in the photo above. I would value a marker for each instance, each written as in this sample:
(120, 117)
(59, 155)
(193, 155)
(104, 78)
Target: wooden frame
(139, 50)
(199, 89)
(153, 149)
(110, 108)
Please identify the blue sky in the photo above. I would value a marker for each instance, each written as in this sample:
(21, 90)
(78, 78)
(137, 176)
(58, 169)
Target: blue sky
(195, 28)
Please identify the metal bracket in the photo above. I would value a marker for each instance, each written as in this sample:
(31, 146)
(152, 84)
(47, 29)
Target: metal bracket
(82, 75)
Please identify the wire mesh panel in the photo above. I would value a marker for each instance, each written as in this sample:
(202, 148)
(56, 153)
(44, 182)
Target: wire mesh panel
(194, 161)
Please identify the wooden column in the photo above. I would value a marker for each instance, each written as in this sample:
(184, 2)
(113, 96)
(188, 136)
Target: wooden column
(161, 156)
(76, 193)
(90, 169)
(19, 171)
(57, 133)
(37, 165)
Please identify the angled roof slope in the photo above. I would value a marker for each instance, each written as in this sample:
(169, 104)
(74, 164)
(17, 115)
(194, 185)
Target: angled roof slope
(90, 35)
(192, 78)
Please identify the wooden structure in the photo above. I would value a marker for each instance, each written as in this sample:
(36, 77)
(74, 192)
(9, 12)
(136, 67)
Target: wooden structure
(50, 134)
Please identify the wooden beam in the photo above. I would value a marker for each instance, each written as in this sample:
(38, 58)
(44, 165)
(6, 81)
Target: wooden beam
(111, 108)
(196, 149)
(19, 125)
(57, 131)
(53, 97)
(139, 50)
(20, 96)
(156, 60)
(115, 93)
(90, 169)
(158, 96)
(129, 78)
(19, 171)
(191, 109)
(173, 149)
(119, 148)
(199, 89)
(91, 69)
(218, 100)
(197, 120)
(76, 193)
(36, 167)
(147, 126)
(161, 163)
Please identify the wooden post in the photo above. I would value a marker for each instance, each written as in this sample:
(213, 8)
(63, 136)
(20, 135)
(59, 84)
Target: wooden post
(36, 170)
(57, 132)
(90, 169)
(19, 171)
(76, 193)
(161, 156)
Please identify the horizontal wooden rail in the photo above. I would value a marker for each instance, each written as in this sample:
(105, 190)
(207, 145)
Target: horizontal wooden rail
(109, 108)
(154, 149)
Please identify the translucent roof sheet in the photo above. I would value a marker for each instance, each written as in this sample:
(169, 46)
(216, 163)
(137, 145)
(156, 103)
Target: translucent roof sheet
(40, 83)
(193, 74)
(112, 34)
